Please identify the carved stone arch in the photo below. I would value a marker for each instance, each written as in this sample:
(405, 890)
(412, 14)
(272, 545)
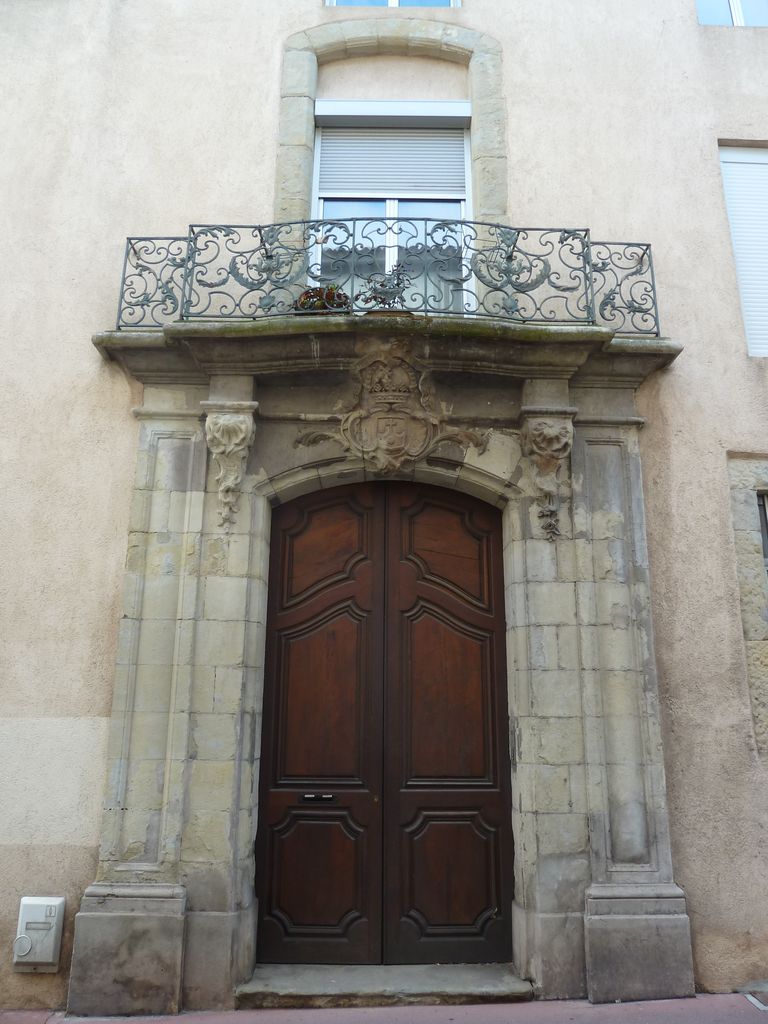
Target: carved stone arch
(413, 37)
(474, 480)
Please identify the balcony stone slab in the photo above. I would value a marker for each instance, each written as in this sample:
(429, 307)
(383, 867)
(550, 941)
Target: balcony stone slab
(193, 352)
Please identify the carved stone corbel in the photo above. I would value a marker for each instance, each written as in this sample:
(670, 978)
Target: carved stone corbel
(546, 438)
(229, 431)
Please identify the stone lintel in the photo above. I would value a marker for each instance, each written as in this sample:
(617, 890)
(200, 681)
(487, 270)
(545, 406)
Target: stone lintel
(637, 942)
(128, 950)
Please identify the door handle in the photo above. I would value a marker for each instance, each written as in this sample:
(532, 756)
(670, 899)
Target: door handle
(324, 798)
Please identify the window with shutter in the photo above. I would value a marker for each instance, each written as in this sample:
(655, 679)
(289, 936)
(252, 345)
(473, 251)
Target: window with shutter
(395, 195)
(745, 179)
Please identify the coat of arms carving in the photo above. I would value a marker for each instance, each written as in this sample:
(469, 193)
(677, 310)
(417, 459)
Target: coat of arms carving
(394, 421)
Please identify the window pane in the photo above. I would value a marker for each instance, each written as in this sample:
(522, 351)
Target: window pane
(361, 3)
(351, 250)
(714, 12)
(435, 209)
(755, 12)
(425, 3)
(430, 255)
(343, 209)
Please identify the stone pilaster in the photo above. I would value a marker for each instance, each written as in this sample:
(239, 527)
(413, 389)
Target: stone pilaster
(133, 916)
(637, 934)
(219, 822)
(549, 813)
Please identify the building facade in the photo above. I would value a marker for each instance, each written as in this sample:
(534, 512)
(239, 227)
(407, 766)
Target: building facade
(387, 584)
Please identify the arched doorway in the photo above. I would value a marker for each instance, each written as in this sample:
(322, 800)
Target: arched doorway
(385, 830)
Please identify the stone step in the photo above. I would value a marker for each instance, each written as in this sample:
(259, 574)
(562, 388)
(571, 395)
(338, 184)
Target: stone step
(302, 985)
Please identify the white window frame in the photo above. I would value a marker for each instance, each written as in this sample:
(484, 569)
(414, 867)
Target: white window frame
(737, 15)
(730, 153)
(383, 113)
(390, 3)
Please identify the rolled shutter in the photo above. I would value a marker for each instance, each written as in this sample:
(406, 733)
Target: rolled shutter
(392, 162)
(745, 179)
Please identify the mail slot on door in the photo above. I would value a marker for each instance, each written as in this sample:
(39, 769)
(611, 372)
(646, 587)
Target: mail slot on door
(37, 944)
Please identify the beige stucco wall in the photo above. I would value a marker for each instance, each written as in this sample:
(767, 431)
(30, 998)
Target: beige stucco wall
(391, 78)
(137, 118)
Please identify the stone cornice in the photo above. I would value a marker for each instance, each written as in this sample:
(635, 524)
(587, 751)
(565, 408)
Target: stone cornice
(189, 353)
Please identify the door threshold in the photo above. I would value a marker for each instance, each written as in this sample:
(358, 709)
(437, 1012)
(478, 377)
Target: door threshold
(289, 986)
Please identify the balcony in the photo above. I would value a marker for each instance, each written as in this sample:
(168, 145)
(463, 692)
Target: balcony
(544, 276)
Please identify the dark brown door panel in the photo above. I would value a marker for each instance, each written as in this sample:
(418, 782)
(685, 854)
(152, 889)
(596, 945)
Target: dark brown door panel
(384, 826)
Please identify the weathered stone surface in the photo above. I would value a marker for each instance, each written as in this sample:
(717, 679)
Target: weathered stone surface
(210, 961)
(637, 948)
(281, 985)
(128, 951)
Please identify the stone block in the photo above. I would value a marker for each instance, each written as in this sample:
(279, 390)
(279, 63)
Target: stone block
(552, 791)
(552, 604)
(561, 880)
(226, 693)
(561, 833)
(185, 511)
(512, 522)
(556, 694)
(540, 561)
(643, 951)
(617, 648)
(239, 555)
(757, 663)
(568, 647)
(556, 954)
(225, 598)
(160, 599)
(489, 178)
(589, 648)
(149, 735)
(209, 959)
(299, 74)
(128, 951)
(744, 510)
(543, 647)
(159, 509)
(144, 789)
(206, 838)
(211, 786)
(220, 643)
(328, 41)
(361, 37)
(214, 737)
(559, 740)
(257, 601)
(517, 612)
(613, 604)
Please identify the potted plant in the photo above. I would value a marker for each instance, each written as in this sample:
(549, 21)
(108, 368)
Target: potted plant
(325, 299)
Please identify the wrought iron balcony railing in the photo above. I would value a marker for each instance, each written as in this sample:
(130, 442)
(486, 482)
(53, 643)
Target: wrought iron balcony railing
(441, 268)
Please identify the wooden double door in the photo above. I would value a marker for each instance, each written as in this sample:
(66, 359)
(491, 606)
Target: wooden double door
(384, 819)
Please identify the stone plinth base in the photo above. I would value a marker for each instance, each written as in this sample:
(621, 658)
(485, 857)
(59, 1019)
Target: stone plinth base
(638, 943)
(128, 950)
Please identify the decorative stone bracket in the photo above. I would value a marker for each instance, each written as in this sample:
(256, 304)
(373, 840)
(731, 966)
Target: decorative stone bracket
(547, 438)
(230, 431)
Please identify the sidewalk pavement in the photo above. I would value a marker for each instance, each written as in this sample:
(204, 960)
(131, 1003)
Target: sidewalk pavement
(705, 1009)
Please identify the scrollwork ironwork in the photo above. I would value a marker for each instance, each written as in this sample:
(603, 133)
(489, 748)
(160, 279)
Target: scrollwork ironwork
(438, 267)
(153, 281)
(624, 287)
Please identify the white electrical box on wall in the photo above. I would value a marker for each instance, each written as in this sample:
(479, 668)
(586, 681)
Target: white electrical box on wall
(37, 944)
